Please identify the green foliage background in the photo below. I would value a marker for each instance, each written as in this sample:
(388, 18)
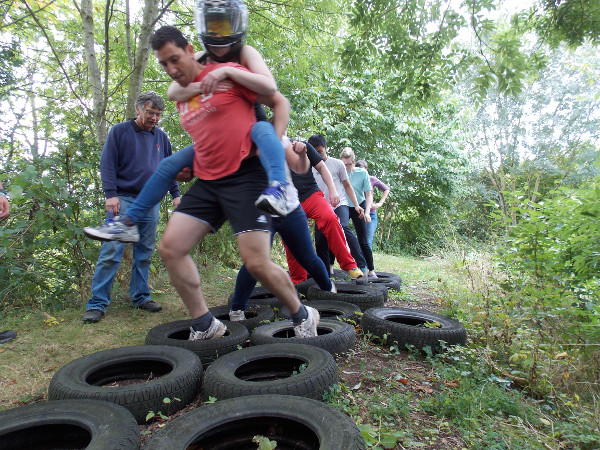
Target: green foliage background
(485, 126)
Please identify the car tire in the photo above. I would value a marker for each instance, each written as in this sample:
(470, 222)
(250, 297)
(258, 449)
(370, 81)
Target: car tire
(328, 309)
(391, 280)
(293, 422)
(256, 315)
(286, 369)
(364, 297)
(89, 424)
(260, 296)
(405, 327)
(176, 334)
(177, 374)
(341, 285)
(303, 286)
(334, 336)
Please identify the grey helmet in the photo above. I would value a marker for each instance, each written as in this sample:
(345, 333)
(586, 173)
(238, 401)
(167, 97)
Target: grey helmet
(221, 23)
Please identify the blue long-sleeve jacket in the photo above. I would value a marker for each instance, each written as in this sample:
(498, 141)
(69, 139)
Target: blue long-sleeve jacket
(130, 156)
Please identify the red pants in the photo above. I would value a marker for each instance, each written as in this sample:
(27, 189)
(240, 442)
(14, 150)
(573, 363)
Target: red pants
(319, 209)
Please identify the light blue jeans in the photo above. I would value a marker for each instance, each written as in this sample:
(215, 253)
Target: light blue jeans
(160, 182)
(110, 259)
(371, 227)
(270, 153)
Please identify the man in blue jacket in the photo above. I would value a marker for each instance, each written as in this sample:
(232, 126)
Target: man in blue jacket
(130, 156)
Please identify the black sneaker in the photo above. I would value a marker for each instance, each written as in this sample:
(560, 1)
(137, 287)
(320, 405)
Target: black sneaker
(92, 316)
(7, 335)
(150, 306)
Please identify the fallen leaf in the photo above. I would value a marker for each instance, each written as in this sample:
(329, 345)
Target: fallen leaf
(562, 355)
(402, 380)
(452, 384)
(426, 389)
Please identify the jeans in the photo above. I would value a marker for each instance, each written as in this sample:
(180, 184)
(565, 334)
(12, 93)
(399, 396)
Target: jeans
(270, 153)
(160, 182)
(371, 227)
(360, 226)
(321, 244)
(295, 235)
(110, 258)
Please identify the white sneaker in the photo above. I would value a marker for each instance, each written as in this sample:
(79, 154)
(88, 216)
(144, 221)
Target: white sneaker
(113, 230)
(273, 200)
(333, 288)
(308, 327)
(216, 330)
(236, 316)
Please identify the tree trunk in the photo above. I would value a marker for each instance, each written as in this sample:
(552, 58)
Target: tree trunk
(86, 11)
(141, 55)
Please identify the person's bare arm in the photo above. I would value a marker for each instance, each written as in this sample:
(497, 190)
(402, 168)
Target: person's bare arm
(378, 204)
(334, 197)
(4, 205)
(112, 204)
(253, 60)
(255, 82)
(295, 156)
(369, 202)
(352, 196)
(259, 79)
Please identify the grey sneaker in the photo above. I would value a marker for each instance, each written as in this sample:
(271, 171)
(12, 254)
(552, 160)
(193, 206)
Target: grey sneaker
(216, 330)
(113, 230)
(273, 200)
(236, 316)
(308, 327)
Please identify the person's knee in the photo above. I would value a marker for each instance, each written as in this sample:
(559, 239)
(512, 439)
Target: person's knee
(167, 250)
(256, 267)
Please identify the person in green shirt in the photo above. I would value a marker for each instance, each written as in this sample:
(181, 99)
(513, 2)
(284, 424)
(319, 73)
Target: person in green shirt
(359, 179)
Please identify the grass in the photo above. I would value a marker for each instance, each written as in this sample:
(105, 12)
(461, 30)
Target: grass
(399, 399)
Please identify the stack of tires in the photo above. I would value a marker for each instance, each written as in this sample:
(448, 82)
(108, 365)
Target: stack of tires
(97, 401)
(268, 383)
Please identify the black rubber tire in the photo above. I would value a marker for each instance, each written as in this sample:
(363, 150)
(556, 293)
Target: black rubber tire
(260, 296)
(286, 369)
(391, 280)
(364, 297)
(256, 315)
(403, 326)
(380, 287)
(176, 334)
(293, 422)
(303, 286)
(332, 335)
(339, 275)
(328, 309)
(89, 424)
(178, 374)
